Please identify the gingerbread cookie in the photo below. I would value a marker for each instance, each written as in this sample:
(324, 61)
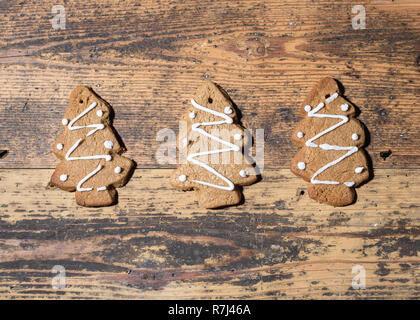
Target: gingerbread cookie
(89, 151)
(331, 158)
(215, 165)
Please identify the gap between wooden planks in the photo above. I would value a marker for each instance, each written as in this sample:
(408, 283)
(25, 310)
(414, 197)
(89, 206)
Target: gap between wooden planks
(156, 243)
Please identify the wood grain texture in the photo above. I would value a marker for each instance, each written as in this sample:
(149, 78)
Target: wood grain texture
(158, 244)
(146, 59)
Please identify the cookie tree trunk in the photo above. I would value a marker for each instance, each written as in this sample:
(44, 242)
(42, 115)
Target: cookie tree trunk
(215, 164)
(89, 151)
(331, 158)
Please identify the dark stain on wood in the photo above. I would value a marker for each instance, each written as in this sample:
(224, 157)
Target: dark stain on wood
(382, 270)
(338, 218)
(404, 246)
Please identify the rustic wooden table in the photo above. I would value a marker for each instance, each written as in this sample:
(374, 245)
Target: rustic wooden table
(146, 58)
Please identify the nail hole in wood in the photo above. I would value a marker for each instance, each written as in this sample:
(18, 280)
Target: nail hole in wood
(385, 154)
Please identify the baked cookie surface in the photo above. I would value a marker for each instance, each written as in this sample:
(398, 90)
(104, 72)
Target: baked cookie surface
(331, 160)
(90, 152)
(215, 166)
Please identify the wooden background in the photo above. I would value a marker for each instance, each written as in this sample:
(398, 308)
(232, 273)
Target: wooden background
(146, 58)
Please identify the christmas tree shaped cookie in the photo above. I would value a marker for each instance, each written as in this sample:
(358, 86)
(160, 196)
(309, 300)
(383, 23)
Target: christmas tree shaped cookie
(331, 158)
(89, 151)
(215, 165)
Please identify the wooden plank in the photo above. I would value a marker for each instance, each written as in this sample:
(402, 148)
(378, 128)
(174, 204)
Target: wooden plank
(147, 58)
(156, 243)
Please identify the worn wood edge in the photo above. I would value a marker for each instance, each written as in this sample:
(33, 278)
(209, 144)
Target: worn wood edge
(181, 289)
(384, 280)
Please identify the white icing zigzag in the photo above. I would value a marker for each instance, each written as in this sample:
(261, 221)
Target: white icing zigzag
(231, 147)
(96, 127)
(352, 149)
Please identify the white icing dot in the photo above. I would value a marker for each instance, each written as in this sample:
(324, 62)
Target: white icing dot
(60, 146)
(108, 144)
(301, 165)
(344, 107)
(244, 173)
(349, 184)
(358, 169)
(228, 110)
(355, 137)
(99, 113)
(182, 178)
(237, 137)
(117, 169)
(300, 134)
(307, 108)
(101, 188)
(63, 177)
(108, 158)
(65, 122)
(192, 115)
